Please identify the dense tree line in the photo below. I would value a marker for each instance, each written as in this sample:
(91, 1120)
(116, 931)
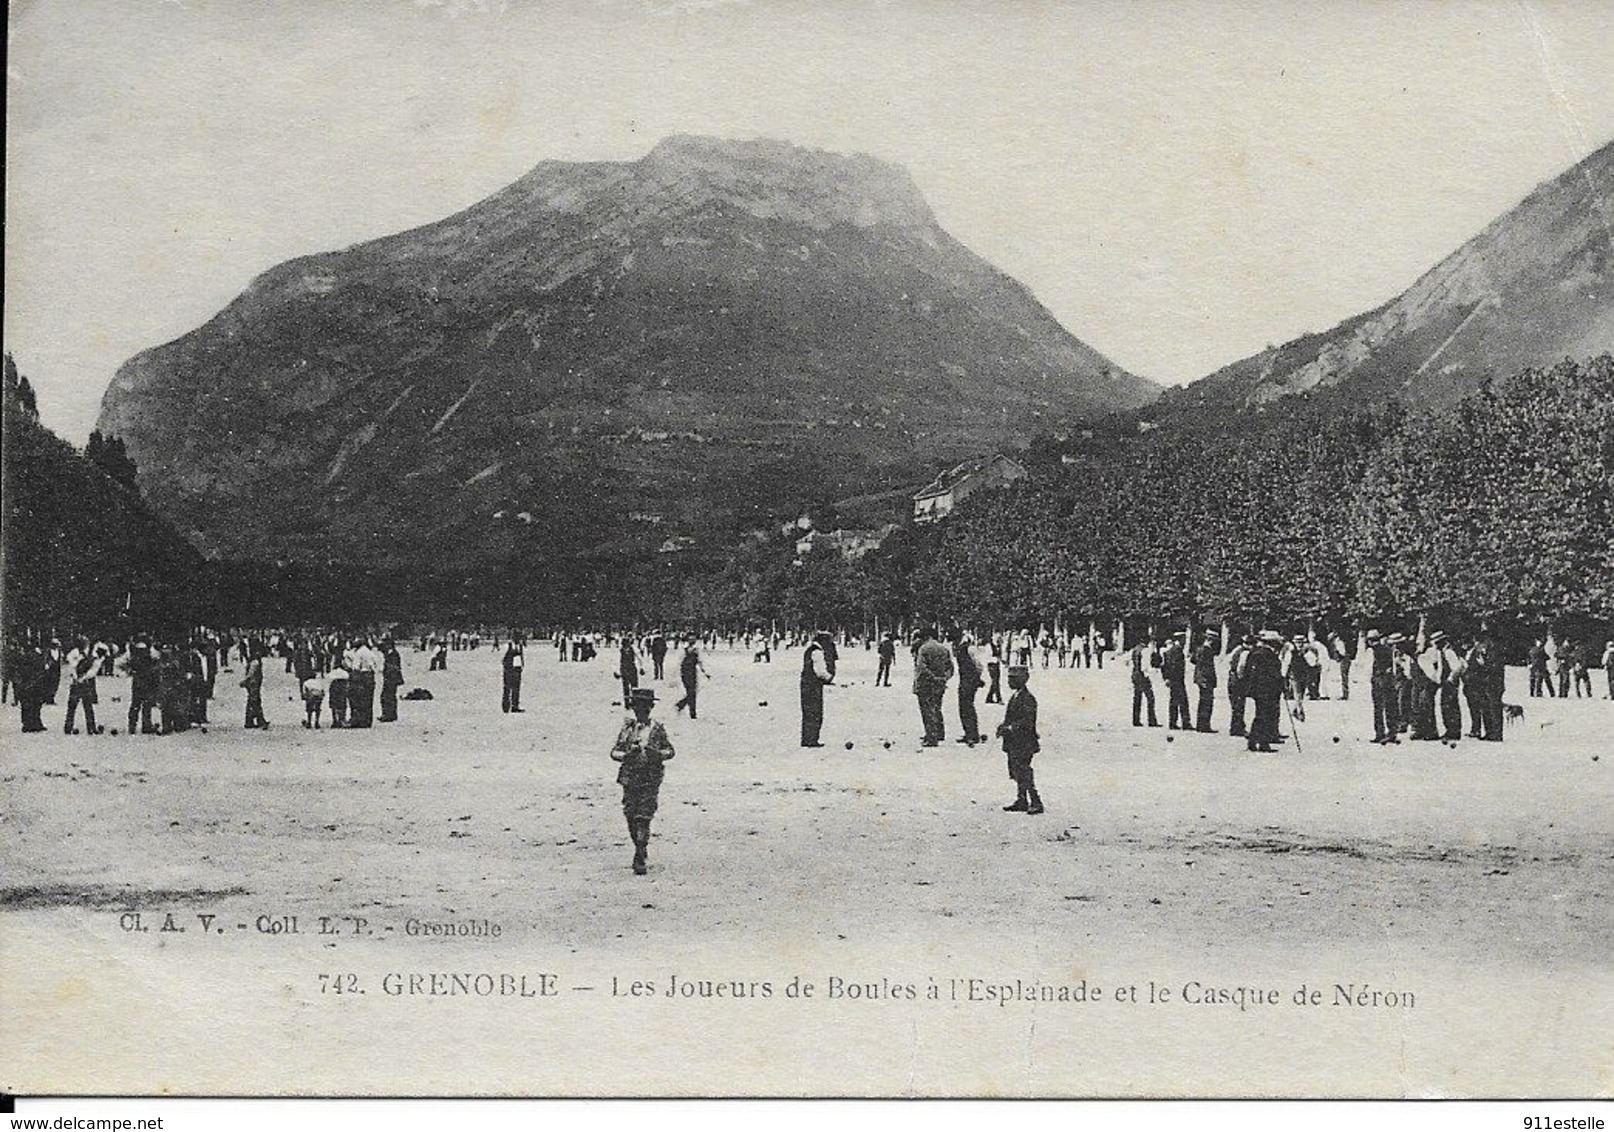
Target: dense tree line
(1503, 505)
(109, 454)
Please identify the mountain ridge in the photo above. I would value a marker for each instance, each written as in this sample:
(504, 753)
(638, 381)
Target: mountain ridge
(1529, 289)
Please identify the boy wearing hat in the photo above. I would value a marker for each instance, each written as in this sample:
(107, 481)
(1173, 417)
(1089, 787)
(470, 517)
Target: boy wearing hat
(1020, 741)
(313, 690)
(641, 747)
(1294, 673)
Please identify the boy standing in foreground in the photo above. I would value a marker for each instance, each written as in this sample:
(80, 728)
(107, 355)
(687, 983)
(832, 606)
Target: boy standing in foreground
(641, 747)
(1020, 741)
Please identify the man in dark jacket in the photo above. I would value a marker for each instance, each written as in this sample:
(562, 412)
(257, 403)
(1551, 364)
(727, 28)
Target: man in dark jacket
(1540, 678)
(1174, 671)
(969, 683)
(515, 661)
(53, 672)
(1495, 687)
(1205, 680)
(1382, 683)
(817, 670)
(658, 654)
(252, 681)
(888, 654)
(142, 664)
(627, 670)
(29, 679)
(193, 675)
(690, 671)
(1021, 741)
(1263, 674)
(391, 680)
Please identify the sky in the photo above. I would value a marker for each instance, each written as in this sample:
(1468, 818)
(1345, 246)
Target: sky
(1180, 184)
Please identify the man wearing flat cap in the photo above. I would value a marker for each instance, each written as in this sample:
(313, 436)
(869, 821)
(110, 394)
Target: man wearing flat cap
(642, 747)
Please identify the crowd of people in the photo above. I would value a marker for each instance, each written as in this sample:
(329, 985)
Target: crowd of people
(172, 680)
(1422, 684)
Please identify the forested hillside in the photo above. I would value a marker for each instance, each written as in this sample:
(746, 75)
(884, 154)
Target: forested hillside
(81, 550)
(1501, 506)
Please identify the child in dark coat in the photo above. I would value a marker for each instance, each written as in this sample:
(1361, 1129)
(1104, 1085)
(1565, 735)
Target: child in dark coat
(1020, 741)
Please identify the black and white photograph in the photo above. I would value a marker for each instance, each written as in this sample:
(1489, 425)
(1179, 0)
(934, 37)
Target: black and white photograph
(766, 549)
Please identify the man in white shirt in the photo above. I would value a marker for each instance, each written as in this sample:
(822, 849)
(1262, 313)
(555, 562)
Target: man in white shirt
(82, 663)
(362, 663)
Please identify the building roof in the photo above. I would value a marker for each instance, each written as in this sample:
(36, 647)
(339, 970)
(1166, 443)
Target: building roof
(958, 473)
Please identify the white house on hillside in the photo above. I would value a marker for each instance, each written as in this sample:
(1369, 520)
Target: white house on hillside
(938, 498)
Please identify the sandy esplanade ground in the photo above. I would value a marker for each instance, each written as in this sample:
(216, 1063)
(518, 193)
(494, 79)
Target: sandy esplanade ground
(1482, 871)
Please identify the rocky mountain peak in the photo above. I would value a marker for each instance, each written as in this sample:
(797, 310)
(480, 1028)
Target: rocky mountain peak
(716, 332)
(776, 180)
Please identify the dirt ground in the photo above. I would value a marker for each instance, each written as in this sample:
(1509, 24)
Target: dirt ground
(1174, 849)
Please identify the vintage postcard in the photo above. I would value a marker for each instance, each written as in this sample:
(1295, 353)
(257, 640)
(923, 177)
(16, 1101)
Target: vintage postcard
(662, 548)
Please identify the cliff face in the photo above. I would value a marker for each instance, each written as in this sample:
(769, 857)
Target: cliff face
(1533, 288)
(712, 334)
